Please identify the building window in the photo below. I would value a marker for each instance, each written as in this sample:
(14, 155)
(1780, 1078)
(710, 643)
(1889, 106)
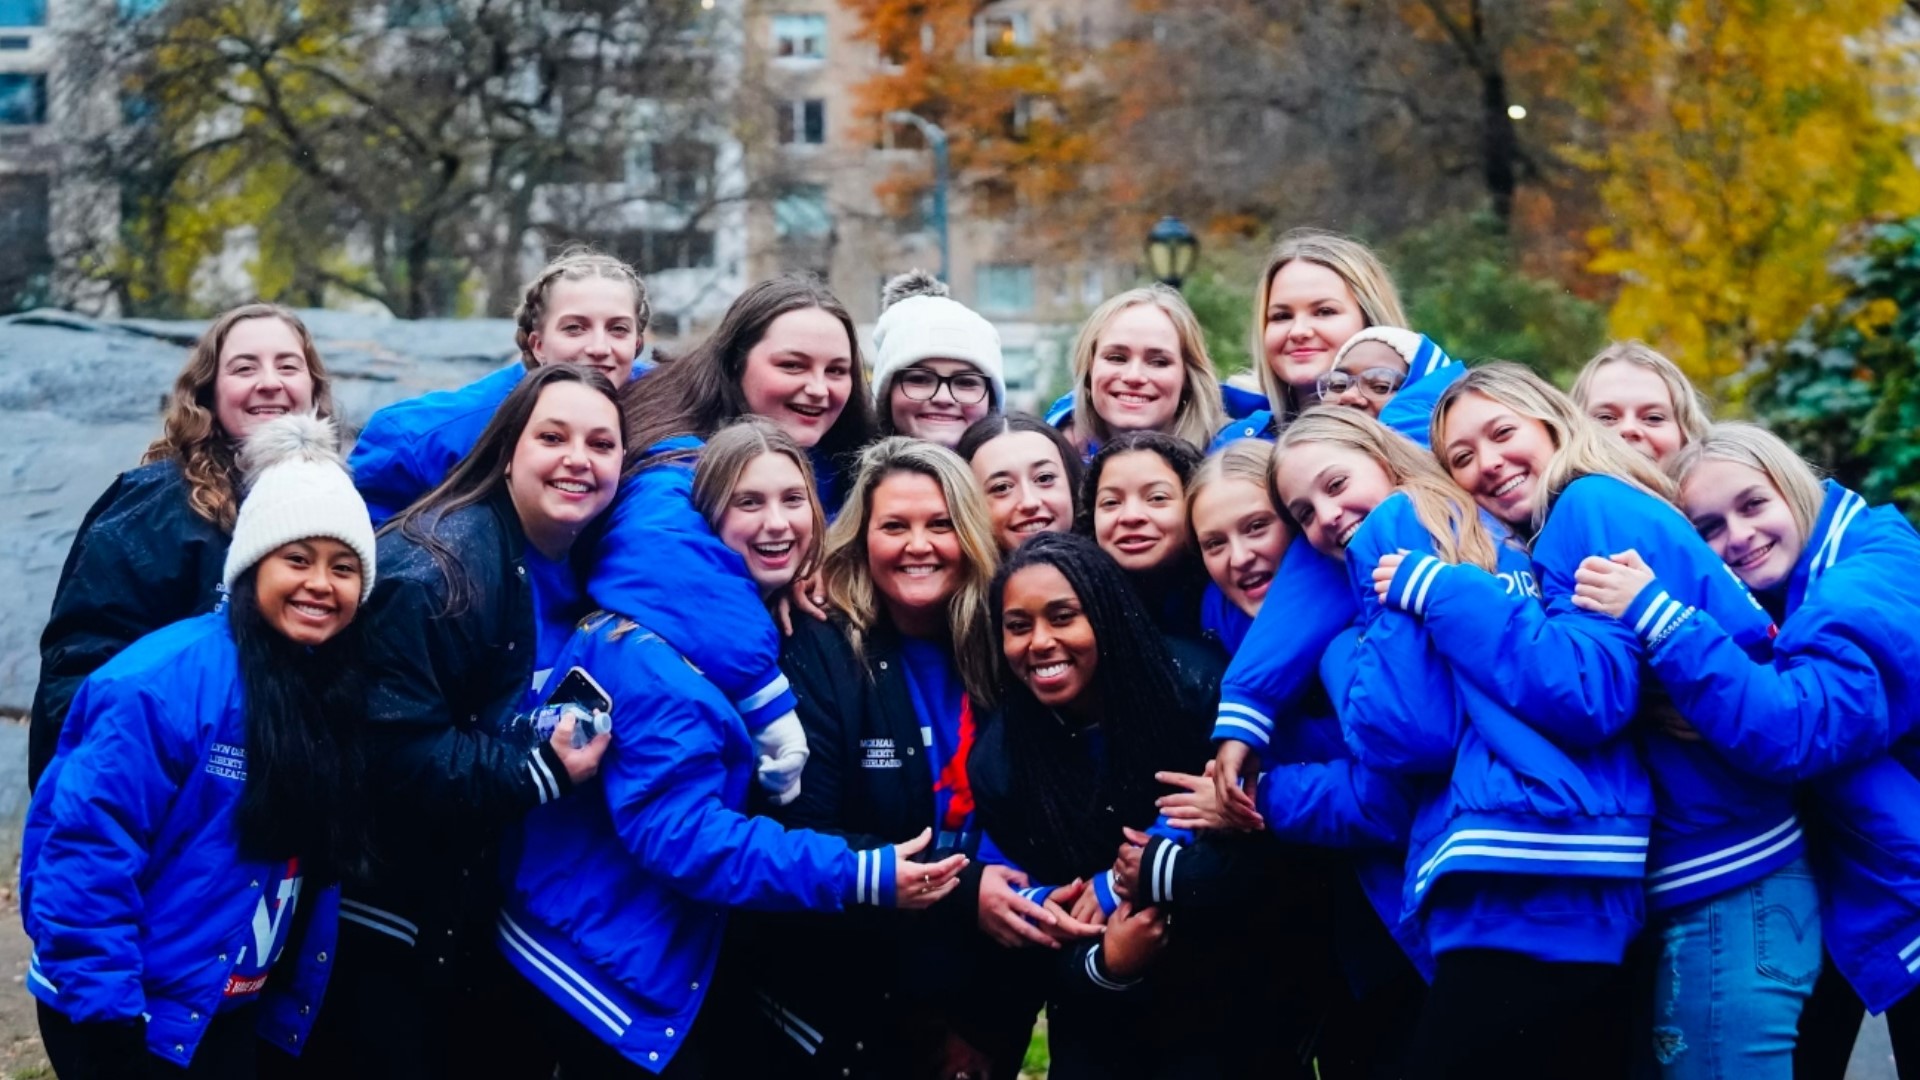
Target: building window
(800, 37)
(800, 213)
(27, 270)
(1004, 288)
(651, 250)
(23, 100)
(999, 36)
(898, 136)
(419, 14)
(23, 12)
(593, 165)
(15, 43)
(683, 171)
(802, 122)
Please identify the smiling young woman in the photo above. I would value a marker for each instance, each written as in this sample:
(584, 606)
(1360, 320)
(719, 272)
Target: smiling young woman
(937, 367)
(150, 550)
(1029, 473)
(1133, 503)
(1140, 363)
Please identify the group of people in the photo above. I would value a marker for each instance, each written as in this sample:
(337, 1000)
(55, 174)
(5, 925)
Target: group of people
(784, 709)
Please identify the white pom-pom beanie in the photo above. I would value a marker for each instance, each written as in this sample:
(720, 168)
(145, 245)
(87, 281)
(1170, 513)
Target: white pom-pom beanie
(297, 489)
(922, 323)
(1404, 342)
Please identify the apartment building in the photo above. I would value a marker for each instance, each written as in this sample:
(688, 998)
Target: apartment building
(26, 154)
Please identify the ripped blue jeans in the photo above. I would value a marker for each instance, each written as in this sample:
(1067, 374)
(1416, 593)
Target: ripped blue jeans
(1732, 975)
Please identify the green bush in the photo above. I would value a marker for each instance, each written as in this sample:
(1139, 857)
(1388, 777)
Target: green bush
(1845, 389)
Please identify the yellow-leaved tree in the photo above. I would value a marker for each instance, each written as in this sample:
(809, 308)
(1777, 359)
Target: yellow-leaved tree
(1736, 141)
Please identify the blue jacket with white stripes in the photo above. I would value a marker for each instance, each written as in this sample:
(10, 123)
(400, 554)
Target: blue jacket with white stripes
(132, 887)
(660, 564)
(1409, 411)
(618, 901)
(1525, 842)
(408, 447)
(1575, 677)
(1837, 705)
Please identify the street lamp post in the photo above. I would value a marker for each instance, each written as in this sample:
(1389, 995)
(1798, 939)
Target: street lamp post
(1172, 249)
(937, 141)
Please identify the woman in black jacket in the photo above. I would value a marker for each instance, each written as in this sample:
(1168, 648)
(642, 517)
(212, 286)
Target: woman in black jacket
(1096, 705)
(893, 691)
(151, 549)
(478, 594)
(1133, 502)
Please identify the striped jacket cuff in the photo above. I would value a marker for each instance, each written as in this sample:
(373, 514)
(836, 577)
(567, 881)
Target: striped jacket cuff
(1413, 583)
(873, 882)
(772, 700)
(1098, 974)
(1158, 861)
(1241, 720)
(550, 779)
(1655, 614)
(1103, 892)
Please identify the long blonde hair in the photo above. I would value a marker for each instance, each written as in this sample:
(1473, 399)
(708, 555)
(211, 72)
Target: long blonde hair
(1581, 446)
(577, 263)
(1449, 516)
(727, 455)
(1200, 415)
(1250, 460)
(1356, 264)
(1757, 448)
(1690, 410)
(849, 580)
(192, 435)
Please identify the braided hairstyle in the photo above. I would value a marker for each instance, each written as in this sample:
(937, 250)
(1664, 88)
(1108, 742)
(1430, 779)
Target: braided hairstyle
(1058, 791)
(574, 263)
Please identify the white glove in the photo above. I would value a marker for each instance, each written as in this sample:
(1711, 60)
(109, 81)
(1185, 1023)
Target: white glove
(783, 754)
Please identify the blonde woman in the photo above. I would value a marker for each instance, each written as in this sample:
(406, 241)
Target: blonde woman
(1643, 397)
(1141, 364)
(892, 691)
(1316, 290)
(151, 549)
(1241, 536)
(1720, 837)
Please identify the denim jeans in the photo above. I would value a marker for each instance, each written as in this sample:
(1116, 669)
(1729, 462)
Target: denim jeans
(1733, 973)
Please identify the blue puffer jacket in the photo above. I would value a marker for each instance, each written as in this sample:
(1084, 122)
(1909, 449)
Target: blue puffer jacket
(1838, 704)
(660, 563)
(132, 887)
(408, 447)
(1235, 401)
(1529, 844)
(1409, 411)
(618, 903)
(1575, 676)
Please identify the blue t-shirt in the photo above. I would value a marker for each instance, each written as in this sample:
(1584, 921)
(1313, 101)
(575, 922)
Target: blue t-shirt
(558, 600)
(939, 695)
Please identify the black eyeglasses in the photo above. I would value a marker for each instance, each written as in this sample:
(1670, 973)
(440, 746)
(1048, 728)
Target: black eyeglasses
(919, 384)
(1373, 382)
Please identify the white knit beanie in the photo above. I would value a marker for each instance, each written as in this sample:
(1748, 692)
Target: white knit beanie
(919, 322)
(1404, 342)
(297, 488)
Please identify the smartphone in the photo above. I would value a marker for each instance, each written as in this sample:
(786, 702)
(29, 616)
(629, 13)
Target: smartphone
(579, 688)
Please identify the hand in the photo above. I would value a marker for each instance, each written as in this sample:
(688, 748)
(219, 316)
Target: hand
(1009, 918)
(918, 886)
(1133, 939)
(1126, 865)
(1065, 928)
(1086, 908)
(783, 757)
(1197, 805)
(582, 764)
(1383, 573)
(1233, 762)
(1609, 585)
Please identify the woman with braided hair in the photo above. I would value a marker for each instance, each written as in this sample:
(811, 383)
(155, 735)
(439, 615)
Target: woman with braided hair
(582, 308)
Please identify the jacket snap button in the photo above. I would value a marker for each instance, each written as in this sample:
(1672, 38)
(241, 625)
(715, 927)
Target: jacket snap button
(179, 1049)
(193, 1016)
(322, 958)
(669, 1033)
(653, 1055)
(223, 958)
(440, 960)
(883, 665)
(521, 570)
(909, 751)
(304, 1010)
(696, 986)
(293, 1038)
(255, 885)
(509, 646)
(859, 1047)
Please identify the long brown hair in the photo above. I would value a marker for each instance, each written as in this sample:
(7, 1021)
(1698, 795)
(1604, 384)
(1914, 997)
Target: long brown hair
(849, 580)
(727, 455)
(192, 435)
(697, 393)
(482, 474)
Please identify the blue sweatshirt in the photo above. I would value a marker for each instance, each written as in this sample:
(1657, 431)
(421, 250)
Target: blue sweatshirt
(660, 564)
(1524, 843)
(1836, 705)
(1409, 411)
(1575, 676)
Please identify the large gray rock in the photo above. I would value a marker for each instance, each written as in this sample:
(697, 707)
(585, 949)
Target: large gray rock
(81, 399)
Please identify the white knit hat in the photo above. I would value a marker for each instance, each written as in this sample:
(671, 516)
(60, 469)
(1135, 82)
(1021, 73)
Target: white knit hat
(1404, 342)
(919, 322)
(297, 488)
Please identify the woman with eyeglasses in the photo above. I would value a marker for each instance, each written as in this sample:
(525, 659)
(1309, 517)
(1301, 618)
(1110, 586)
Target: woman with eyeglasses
(937, 366)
